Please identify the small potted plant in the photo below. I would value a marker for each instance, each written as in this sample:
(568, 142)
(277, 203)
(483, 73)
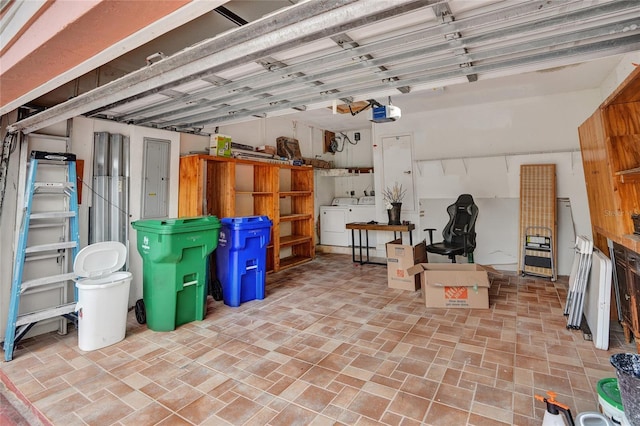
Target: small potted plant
(393, 202)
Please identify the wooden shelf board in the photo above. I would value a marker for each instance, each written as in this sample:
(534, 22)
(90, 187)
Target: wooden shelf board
(629, 176)
(294, 193)
(277, 163)
(293, 217)
(353, 171)
(633, 171)
(255, 193)
(287, 262)
(214, 178)
(291, 240)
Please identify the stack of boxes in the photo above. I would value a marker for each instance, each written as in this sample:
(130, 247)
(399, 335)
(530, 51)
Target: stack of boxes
(444, 285)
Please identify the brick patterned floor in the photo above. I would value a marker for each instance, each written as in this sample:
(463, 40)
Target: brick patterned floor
(329, 345)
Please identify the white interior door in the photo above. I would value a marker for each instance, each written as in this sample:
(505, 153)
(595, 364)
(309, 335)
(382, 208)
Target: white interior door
(398, 167)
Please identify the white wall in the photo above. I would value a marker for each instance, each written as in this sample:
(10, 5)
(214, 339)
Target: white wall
(9, 223)
(494, 138)
(478, 149)
(311, 141)
(82, 146)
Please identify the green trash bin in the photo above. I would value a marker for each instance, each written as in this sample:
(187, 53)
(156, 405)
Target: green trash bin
(174, 263)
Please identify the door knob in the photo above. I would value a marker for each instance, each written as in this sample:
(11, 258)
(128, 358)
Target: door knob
(408, 172)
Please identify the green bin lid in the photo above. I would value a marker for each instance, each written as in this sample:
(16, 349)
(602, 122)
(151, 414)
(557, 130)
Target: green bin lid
(609, 391)
(177, 225)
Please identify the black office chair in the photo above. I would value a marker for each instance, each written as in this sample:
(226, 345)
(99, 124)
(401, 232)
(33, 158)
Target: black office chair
(460, 233)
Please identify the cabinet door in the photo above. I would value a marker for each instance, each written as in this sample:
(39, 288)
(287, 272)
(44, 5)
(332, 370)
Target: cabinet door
(633, 284)
(623, 285)
(332, 227)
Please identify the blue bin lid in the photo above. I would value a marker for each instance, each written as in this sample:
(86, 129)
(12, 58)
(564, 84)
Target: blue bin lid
(248, 222)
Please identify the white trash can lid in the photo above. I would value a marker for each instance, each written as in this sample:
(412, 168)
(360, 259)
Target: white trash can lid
(99, 259)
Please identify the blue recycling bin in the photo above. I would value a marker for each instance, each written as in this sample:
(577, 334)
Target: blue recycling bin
(241, 258)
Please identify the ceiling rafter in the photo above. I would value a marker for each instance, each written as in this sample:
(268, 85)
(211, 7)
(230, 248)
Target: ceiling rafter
(303, 22)
(428, 35)
(424, 68)
(562, 56)
(355, 48)
(488, 19)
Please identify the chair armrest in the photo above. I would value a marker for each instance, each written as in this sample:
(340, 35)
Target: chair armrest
(430, 230)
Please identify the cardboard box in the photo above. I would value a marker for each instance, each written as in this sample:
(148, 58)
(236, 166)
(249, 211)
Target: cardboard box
(454, 285)
(399, 259)
(220, 145)
(269, 149)
(288, 148)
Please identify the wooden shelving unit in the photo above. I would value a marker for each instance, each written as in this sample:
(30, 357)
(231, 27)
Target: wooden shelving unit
(229, 187)
(610, 145)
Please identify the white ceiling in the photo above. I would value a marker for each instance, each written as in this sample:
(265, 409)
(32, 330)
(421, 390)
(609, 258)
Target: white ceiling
(582, 76)
(312, 54)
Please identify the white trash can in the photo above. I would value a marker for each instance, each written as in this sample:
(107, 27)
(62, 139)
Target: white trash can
(103, 294)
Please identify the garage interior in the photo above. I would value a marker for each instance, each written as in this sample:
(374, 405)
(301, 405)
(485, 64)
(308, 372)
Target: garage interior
(484, 88)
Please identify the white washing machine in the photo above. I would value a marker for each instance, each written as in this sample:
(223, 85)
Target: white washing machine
(342, 210)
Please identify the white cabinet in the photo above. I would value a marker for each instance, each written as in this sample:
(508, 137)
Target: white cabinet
(333, 220)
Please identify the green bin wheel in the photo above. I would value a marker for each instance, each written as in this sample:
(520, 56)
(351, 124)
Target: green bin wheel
(141, 315)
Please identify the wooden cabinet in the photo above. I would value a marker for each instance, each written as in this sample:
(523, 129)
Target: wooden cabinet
(628, 274)
(610, 145)
(228, 187)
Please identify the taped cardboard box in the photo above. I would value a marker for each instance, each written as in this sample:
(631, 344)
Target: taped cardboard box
(399, 259)
(454, 285)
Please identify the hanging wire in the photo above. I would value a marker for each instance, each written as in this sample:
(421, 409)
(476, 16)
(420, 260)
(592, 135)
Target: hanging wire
(100, 196)
(335, 142)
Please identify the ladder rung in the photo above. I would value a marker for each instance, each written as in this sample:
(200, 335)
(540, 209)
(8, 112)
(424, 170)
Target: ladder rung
(37, 282)
(43, 257)
(47, 225)
(53, 215)
(44, 288)
(53, 246)
(46, 314)
(53, 185)
(53, 156)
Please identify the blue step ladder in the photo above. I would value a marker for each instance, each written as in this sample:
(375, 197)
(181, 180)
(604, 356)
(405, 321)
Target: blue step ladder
(18, 324)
